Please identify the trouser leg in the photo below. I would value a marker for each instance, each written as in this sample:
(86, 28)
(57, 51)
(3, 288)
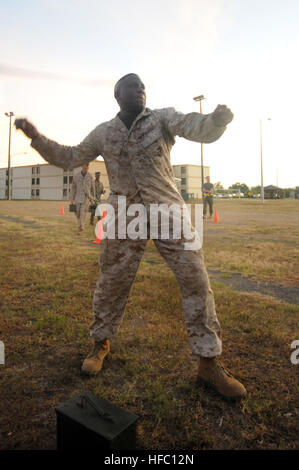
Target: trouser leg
(198, 300)
(92, 217)
(78, 212)
(211, 205)
(83, 213)
(119, 261)
(205, 202)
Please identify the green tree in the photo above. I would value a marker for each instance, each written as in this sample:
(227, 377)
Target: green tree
(255, 189)
(218, 186)
(243, 188)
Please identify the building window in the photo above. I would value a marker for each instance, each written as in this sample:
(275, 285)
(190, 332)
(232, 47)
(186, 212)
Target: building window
(37, 192)
(70, 179)
(33, 181)
(32, 192)
(183, 170)
(37, 170)
(33, 170)
(65, 192)
(183, 181)
(65, 180)
(6, 182)
(6, 172)
(37, 180)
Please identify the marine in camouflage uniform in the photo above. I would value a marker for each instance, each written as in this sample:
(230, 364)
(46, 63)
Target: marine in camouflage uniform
(99, 190)
(136, 147)
(82, 194)
(208, 195)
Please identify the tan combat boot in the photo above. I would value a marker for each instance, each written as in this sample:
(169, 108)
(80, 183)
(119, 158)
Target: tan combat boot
(213, 373)
(94, 361)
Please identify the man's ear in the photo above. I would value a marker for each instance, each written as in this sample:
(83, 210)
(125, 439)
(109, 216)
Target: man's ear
(118, 98)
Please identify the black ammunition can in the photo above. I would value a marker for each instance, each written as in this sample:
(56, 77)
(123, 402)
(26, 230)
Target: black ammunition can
(86, 421)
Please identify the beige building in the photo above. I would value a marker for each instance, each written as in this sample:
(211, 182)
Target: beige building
(45, 181)
(48, 182)
(190, 176)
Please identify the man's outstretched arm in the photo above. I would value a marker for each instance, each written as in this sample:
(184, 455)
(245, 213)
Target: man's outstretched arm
(63, 156)
(204, 128)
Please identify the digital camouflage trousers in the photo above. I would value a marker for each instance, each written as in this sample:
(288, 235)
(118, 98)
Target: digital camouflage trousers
(119, 261)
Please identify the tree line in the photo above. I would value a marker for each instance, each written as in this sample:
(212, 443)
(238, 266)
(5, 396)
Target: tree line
(252, 191)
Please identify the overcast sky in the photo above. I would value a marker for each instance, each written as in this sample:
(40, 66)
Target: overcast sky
(60, 59)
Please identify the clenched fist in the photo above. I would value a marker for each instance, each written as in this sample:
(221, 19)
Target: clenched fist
(222, 115)
(29, 129)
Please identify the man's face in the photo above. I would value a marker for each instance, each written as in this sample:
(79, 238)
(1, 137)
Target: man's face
(84, 169)
(207, 179)
(132, 97)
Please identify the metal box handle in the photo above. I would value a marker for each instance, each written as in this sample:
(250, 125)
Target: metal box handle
(103, 414)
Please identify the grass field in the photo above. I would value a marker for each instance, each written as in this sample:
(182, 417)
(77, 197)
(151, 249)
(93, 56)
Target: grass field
(48, 275)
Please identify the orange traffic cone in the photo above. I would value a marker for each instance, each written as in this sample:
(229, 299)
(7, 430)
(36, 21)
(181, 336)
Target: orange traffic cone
(62, 209)
(216, 219)
(100, 231)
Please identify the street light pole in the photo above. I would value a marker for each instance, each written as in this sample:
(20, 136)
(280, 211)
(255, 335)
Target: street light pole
(261, 151)
(10, 114)
(200, 98)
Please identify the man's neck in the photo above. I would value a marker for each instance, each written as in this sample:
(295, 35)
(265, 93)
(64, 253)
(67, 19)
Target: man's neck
(128, 117)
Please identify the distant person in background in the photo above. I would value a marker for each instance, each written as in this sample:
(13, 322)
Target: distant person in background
(82, 194)
(208, 194)
(99, 190)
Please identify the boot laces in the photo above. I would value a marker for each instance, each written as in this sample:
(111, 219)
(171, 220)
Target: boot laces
(222, 369)
(98, 345)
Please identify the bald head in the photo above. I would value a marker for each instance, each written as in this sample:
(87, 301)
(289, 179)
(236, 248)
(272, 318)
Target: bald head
(129, 92)
(122, 80)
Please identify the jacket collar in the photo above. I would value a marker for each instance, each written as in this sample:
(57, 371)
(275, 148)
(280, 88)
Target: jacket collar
(117, 123)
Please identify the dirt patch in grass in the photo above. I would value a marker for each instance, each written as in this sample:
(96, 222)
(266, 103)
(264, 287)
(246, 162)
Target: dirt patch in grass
(257, 241)
(19, 220)
(237, 282)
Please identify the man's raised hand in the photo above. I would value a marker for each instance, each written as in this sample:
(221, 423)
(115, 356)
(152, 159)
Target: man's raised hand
(222, 115)
(29, 129)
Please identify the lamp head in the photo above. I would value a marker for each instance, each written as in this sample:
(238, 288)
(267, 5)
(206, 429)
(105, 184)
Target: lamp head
(199, 98)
